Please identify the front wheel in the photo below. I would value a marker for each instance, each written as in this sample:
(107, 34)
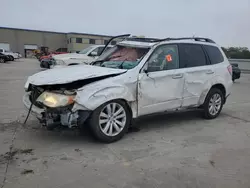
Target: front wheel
(213, 103)
(12, 58)
(2, 60)
(110, 121)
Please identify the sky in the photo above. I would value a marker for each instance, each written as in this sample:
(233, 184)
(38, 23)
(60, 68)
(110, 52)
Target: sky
(227, 22)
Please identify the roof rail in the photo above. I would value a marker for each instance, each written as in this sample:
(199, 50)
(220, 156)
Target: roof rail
(189, 38)
(142, 39)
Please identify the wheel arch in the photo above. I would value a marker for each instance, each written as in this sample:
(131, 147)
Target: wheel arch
(205, 92)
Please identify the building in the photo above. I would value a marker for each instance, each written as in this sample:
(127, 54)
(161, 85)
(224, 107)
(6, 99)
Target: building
(25, 41)
(78, 41)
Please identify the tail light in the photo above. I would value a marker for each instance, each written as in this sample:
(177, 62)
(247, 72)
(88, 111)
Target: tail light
(230, 70)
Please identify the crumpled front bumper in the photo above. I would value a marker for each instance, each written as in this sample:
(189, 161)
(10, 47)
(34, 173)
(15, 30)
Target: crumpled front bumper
(35, 110)
(56, 116)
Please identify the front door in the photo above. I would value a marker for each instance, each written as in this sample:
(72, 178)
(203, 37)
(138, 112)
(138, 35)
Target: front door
(160, 87)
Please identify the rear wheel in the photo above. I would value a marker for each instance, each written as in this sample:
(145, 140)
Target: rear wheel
(2, 60)
(110, 121)
(213, 103)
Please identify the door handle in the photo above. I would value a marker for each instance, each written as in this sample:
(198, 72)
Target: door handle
(177, 76)
(209, 72)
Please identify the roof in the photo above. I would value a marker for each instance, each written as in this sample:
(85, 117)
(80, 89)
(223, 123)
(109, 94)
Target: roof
(189, 41)
(148, 43)
(136, 44)
(97, 35)
(33, 30)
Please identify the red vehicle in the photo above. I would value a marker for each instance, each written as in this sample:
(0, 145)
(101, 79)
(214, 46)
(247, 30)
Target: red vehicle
(50, 55)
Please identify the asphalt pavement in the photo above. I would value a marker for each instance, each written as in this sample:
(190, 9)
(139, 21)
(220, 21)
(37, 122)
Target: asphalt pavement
(168, 150)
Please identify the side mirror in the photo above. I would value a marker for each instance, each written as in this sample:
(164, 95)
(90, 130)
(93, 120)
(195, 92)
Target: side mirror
(93, 53)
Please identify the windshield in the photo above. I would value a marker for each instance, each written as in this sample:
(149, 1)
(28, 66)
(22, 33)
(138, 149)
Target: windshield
(121, 57)
(86, 50)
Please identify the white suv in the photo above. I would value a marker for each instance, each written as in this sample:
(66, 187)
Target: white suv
(85, 56)
(135, 78)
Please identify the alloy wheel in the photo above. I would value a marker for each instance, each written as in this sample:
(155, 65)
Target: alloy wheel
(112, 119)
(215, 104)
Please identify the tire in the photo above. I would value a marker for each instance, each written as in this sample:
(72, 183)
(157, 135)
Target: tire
(2, 60)
(12, 58)
(110, 130)
(73, 64)
(233, 78)
(213, 95)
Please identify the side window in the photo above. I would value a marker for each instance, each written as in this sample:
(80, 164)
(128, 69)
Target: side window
(214, 54)
(191, 55)
(164, 57)
(1, 50)
(96, 51)
(99, 51)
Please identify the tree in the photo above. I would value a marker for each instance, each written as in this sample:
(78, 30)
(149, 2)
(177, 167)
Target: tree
(237, 52)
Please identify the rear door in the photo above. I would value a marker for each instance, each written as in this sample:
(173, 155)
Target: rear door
(197, 71)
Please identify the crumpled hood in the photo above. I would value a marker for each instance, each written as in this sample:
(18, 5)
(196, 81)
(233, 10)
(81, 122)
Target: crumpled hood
(70, 74)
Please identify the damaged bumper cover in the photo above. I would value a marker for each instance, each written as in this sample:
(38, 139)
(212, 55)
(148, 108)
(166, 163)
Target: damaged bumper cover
(35, 110)
(53, 117)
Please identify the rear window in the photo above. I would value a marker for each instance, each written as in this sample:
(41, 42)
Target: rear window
(214, 54)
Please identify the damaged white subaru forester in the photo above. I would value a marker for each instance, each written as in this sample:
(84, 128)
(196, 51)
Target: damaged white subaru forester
(138, 76)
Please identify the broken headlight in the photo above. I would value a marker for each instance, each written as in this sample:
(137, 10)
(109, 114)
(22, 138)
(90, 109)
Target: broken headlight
(55, 100)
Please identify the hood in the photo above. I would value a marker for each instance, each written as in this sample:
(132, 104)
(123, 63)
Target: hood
(76, 56)
(70, 74)
(85, 60)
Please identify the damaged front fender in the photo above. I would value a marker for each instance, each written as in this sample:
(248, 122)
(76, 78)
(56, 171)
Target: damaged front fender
(92, 99)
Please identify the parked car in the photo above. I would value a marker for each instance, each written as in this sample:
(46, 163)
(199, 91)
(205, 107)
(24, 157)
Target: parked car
(19, 55)
(236, 71)
(4, 58)
(136, 77)
(12, 55)
(45, 63)
(51, 55)
(85, 56)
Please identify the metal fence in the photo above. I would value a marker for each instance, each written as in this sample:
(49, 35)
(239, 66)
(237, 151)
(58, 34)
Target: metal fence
(244, 64)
